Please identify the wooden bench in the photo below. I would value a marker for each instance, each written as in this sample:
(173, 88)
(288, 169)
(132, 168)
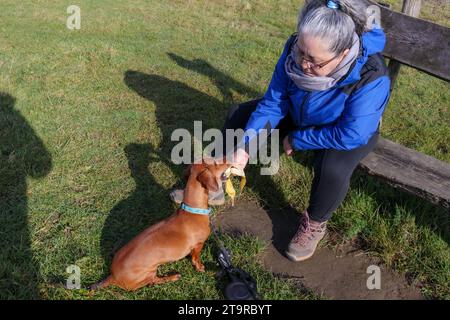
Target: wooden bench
(424, 46)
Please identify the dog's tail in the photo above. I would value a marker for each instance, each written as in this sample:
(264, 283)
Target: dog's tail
(102, 284)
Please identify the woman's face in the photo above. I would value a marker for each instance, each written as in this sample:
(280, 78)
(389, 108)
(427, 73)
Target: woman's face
(315, 59)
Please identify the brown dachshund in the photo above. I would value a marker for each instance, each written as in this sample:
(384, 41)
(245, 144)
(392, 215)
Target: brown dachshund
(172, 239)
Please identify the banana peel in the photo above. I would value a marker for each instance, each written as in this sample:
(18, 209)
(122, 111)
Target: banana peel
(234, 171)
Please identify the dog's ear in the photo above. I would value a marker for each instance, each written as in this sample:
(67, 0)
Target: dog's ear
(207, 179)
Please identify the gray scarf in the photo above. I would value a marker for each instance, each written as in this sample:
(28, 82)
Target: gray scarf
(315, 83)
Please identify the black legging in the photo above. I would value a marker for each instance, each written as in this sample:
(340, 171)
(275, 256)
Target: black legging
(332, 168)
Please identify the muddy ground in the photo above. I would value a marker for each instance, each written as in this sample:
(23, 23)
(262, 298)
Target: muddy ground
(335, 271)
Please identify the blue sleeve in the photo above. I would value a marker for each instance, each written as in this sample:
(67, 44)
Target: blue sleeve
(358, 122)
(275, 104)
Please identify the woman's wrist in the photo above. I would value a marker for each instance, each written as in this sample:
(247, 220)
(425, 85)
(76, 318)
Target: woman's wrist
(240, 158)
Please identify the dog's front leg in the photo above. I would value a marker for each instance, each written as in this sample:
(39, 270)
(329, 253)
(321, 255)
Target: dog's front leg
(195, 257)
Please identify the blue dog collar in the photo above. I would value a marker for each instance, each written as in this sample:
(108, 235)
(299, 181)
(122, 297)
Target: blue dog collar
(185, 207)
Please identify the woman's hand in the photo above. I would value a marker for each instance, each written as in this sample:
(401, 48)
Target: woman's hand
(240, 158)
(287, 146)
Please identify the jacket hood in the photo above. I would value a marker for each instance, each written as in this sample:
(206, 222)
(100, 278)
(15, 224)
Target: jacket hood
(372, 42)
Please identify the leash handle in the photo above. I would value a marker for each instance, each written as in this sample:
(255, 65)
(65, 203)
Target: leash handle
(250, 282)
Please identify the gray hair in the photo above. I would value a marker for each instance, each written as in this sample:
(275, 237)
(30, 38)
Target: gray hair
(335, 25)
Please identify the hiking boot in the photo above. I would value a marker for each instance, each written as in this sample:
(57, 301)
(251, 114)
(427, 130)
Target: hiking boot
(216, 198)
(305, 241)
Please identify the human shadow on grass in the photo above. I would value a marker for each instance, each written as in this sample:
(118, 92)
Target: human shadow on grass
(147, 204)
(177, 106)
(22, 155)
(222, 81)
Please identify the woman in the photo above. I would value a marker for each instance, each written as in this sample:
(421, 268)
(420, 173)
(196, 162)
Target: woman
(327, 93)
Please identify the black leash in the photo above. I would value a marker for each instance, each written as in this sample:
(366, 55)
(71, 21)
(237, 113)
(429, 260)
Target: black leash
(240, 285)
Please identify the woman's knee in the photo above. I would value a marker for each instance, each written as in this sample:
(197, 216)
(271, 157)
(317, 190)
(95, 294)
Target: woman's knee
(334, 175)
(334, 171)
(231, 112)
(238, 115)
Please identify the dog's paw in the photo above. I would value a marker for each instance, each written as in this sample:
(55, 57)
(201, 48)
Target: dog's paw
(199, 267)
(176, 277)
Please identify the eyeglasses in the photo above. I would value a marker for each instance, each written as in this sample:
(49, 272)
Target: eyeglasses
(312, 64)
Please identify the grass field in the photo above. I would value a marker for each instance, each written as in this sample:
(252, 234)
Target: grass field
(85, 159)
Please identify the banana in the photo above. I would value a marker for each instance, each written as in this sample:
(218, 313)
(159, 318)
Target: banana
(234, 171)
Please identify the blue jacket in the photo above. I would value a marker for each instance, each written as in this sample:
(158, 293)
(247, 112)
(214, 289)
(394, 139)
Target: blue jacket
(342, 117)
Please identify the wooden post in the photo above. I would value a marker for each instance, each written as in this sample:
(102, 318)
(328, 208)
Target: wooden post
(411, 8)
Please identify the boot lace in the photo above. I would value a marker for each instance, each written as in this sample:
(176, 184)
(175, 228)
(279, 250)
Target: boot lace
(308, 230)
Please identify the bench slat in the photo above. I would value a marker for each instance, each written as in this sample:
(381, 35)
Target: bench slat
(410, 171)
(417, 43)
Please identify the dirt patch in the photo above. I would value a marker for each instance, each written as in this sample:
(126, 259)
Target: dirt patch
(336, 274)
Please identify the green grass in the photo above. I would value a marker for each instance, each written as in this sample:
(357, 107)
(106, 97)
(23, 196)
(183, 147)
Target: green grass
(85, 161)
(437, 11)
